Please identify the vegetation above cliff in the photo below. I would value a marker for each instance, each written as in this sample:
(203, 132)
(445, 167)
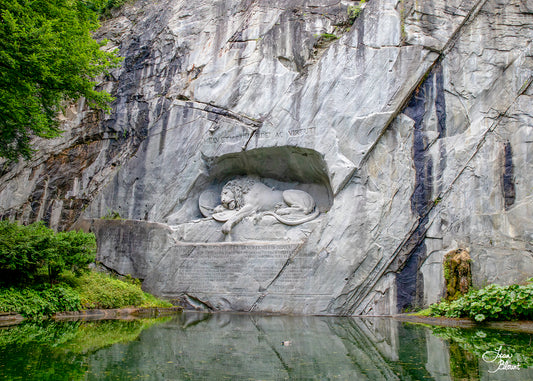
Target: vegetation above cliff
(47, 57)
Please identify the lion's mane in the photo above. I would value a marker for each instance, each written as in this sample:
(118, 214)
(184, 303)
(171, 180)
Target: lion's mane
(239, 187)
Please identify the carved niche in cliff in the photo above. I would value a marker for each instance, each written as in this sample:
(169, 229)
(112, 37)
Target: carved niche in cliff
(265, 194)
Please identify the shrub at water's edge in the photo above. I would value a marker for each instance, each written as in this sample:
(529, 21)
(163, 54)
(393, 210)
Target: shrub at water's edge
(494, 302)
(91, 290)
(99, 290)
(43, 272)
(41, 300)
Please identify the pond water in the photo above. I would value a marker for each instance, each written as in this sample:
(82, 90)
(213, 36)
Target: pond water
(193, 346)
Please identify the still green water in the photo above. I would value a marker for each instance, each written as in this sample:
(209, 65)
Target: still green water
(194, 346)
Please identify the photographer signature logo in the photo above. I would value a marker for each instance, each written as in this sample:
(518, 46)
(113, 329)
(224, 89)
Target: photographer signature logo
(502, 359)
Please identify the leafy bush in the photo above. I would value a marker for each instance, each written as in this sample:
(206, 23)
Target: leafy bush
(48, 57)
(103, 7)
(26, 251)
(22, 250)
(91, 290)
(493, 302)
(43, 300)
(99, 290)
(73, 250)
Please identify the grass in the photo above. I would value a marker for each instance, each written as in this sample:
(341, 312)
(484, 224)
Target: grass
(99, 290)
(89, 291)
(426, 312)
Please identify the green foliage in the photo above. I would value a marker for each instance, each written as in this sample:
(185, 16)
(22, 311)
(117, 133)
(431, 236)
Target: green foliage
(91, 290)
(91, 336)
(328, 36)
(26, 251)
(51, 350)
(354, 11)
(493, 302)
(150, 301)
(98, 290)
(104, 6)
(43, 300)
(424, 312)
(131, 280)
(457, 273)
(47, 57)
(112, 215)
(483, 341)
(73, 250)
(35, 332)
(22, 250)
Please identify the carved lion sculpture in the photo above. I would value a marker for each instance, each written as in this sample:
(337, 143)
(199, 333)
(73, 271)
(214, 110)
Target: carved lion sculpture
(243, 197)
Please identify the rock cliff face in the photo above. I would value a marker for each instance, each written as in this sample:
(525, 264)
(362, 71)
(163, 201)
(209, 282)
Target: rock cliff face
(413, 132)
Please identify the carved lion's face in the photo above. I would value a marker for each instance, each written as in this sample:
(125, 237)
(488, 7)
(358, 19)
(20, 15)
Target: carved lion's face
(227, 198)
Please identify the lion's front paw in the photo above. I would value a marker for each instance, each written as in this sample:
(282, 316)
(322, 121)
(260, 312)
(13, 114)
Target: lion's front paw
(284, 211)
(219, 208)
(226, 228)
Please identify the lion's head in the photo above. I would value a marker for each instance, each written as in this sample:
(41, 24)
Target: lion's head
(232, 195)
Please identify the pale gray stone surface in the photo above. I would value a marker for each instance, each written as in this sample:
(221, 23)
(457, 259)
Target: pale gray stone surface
(412, 132)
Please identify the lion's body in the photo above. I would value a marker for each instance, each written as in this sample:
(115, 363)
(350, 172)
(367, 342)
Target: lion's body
(248, 196)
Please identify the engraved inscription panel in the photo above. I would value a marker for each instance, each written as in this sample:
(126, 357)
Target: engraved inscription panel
(231, 268)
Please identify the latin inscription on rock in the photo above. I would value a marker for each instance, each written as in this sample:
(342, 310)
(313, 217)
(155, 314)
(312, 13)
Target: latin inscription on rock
(228, 268)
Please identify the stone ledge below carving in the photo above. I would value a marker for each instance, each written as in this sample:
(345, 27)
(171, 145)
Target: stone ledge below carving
(265, 228)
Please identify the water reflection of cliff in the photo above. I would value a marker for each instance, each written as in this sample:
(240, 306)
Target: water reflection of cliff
(235, 346)
(243, 346)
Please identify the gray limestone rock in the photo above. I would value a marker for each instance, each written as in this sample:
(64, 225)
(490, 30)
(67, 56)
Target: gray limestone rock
(410, 129)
